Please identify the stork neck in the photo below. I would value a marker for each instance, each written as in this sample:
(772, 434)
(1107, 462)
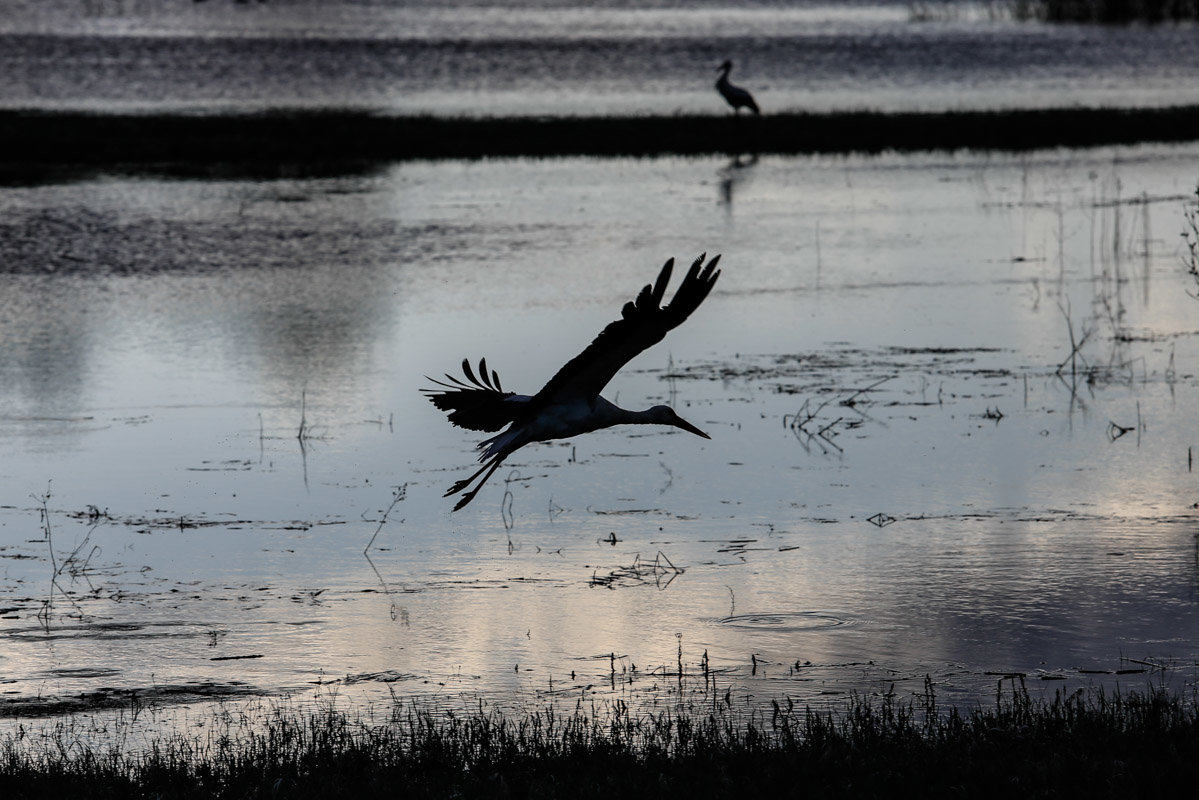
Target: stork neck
(607, 414)
(625, 416)
(645, 417)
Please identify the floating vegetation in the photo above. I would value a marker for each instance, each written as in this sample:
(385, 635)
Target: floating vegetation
(110, 699)
(660, 572)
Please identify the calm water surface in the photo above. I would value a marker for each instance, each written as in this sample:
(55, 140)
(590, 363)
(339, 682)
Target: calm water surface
(901, 481)
(522, 57)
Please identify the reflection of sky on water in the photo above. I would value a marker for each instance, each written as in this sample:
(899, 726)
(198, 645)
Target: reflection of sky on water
(160, 379)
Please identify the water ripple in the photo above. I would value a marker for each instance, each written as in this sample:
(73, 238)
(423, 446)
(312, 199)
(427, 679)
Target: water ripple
(787, 620)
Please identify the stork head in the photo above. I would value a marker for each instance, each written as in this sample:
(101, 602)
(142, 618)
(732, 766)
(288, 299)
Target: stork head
(665, 415)
(727, 65)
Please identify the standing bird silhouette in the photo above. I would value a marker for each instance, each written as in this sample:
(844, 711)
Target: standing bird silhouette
(735, 95)
(570, 403)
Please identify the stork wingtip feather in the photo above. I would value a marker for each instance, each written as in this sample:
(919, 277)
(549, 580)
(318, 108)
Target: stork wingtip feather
(663, 280)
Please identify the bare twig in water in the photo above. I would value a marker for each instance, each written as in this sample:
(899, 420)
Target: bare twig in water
(852, 400)
(398, 494)
(881, 520)
(506, 506)
(671, 382)
(1076, 343)
(809, 428)
(302, 434)
(1190, 240)
(74, 565)
(669, 478)
(803, 424)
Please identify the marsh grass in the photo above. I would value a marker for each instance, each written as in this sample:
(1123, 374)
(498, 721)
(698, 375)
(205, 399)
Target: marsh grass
(1103, 12)
(1094, 744)
(54, 145)
(1107, 12)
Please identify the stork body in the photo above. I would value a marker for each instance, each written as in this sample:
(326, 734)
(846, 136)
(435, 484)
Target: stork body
(570, 403)
(736, 97)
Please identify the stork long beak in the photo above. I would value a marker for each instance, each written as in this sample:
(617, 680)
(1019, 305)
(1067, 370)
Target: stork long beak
(687, 426)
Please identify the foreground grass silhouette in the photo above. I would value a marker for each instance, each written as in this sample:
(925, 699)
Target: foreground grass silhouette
(1091, 744)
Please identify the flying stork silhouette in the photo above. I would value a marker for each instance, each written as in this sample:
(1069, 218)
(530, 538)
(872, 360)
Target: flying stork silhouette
(570, 403)
(735, 95)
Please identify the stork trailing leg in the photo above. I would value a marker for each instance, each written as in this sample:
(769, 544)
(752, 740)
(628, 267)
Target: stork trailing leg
(489, 467)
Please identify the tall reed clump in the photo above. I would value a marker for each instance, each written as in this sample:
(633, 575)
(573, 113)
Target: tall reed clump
(1091, 744)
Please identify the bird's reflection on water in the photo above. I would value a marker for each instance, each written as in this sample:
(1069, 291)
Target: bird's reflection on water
(735, 172)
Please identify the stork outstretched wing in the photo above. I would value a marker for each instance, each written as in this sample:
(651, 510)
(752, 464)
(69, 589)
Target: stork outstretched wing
(479, 404)
(643, 323)
(569, 403)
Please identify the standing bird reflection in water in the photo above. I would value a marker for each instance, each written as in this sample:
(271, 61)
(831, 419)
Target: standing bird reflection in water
(735, 95)
(570, 403)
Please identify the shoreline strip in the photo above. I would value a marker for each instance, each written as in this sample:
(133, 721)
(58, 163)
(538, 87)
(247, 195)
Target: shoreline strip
(40, 137)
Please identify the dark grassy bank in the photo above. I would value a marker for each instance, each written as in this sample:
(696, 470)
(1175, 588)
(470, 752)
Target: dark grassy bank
(1107, 12)
(1094, 745)
(42, 140)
